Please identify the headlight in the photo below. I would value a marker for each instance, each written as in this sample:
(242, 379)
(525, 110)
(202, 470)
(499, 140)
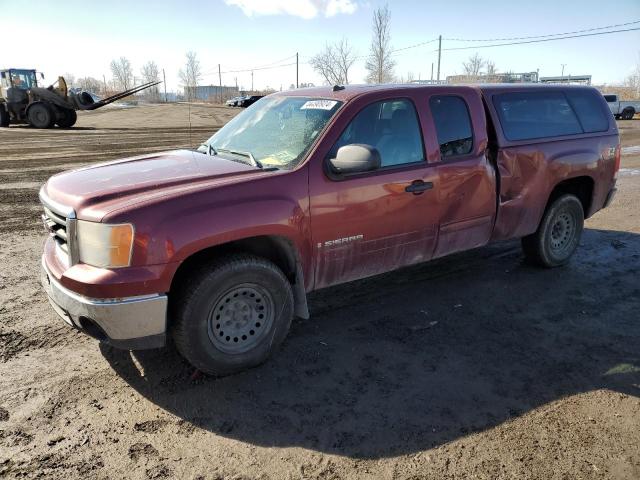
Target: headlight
(102, 245)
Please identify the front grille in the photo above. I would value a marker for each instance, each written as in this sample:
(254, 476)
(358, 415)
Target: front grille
(60, 222)
(57, 227)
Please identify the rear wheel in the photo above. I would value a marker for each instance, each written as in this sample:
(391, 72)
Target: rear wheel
(67, 118)
(558, 234)
(41, 115)
(231, 314)
(5, 120)
(628, 114)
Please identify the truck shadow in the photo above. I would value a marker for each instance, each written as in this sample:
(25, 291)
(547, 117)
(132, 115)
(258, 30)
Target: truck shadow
(413, 359)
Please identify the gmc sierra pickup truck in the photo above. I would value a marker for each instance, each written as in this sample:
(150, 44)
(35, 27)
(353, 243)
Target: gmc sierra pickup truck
(622, 109)
(219, 247)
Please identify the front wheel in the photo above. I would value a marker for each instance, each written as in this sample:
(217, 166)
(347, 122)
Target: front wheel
(231, 314)
(558, 234)
(4, 116)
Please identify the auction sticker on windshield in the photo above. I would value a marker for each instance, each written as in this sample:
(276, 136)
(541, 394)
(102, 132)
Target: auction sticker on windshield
(319, 105)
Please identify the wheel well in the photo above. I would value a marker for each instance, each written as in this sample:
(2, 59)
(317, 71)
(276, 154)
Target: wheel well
(581, 187)
(278, 250)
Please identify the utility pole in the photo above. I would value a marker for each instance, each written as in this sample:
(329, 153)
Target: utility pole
(296, 69)
(439, 54)
(236, 78)
(220, 81)
(104, 79)
(431, 71)
(251, 81)
(563, 65)
(164, 77)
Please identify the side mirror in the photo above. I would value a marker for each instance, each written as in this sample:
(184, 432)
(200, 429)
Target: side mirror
(42, 75)
(356, 158)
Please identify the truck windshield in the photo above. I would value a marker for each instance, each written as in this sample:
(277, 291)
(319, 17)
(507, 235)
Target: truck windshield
(276, 131)
(24, 79)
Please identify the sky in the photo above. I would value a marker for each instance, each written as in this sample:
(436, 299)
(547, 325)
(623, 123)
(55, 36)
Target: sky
(82, 37)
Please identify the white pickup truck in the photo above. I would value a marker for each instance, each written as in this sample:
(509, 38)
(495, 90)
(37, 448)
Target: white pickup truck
(624, 110)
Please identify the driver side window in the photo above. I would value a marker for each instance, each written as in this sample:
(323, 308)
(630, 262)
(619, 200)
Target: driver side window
(391, 127)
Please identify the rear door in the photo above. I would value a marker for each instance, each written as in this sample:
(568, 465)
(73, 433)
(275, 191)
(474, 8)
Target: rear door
(467, 190)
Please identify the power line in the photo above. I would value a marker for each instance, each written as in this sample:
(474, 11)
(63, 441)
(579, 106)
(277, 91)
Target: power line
(261, 67)
(540, 40)
(538, 36)
(545, 37)
(414, 46)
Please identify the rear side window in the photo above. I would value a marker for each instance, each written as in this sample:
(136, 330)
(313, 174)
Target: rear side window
(453, 125)
(589, 109)
(529, 115)
(610, 98)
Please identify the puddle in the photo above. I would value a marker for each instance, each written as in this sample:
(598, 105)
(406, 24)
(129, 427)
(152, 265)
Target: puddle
(628, 172)
(630, 150)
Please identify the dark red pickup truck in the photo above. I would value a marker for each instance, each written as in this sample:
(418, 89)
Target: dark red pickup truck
(305, 189)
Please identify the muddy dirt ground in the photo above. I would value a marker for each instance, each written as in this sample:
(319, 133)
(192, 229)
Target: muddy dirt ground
(473, 366)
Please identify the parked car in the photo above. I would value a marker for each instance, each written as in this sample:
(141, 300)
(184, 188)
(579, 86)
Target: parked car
(621, 109)
(249, 100)
(235, 101)
(314, 188)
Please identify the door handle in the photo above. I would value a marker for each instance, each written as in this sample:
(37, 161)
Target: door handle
(418, 187)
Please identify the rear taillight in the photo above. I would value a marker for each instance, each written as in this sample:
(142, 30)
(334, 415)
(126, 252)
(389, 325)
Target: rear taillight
(617, 161)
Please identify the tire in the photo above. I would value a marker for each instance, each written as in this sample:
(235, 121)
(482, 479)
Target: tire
(628, 114)
(259, 309)
(5, 119)
(558, 234)
(67, 118)
(41, 115)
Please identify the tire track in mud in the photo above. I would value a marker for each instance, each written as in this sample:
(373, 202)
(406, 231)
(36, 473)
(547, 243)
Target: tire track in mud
(29, 156)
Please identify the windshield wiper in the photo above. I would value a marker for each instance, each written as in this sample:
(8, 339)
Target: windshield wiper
(240, 153)
(209, 150)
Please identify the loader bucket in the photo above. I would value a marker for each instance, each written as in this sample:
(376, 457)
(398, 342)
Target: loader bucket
(84, 101)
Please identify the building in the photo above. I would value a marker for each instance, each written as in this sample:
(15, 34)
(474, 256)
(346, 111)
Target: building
(212, 93)
(507, 77)
(575, 79)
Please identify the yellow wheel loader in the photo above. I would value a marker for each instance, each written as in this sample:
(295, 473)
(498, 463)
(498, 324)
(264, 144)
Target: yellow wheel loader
(23, 101)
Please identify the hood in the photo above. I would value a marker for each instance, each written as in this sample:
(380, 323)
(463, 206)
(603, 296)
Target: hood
(97, 190)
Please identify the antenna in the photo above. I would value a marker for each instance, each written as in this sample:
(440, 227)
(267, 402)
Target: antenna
(190, 141)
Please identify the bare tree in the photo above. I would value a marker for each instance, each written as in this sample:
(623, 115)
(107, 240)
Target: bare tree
(122, 73)
(380, 65)
(90, 84)
(190, 75)
(346, 58)
(633, 80)
(491, 67)
(473, 66)
(151, 73)
(333, 63)
(70, 78)
(326, 65)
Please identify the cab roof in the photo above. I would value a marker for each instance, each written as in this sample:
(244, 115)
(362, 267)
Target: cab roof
(347, 92)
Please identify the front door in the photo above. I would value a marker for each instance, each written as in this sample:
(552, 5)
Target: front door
(367, 223)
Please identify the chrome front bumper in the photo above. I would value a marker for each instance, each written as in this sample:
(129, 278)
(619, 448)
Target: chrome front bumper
(131, 323)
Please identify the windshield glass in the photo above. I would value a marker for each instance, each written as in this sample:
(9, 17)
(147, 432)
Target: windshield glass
(24, 79)
(276, 131)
